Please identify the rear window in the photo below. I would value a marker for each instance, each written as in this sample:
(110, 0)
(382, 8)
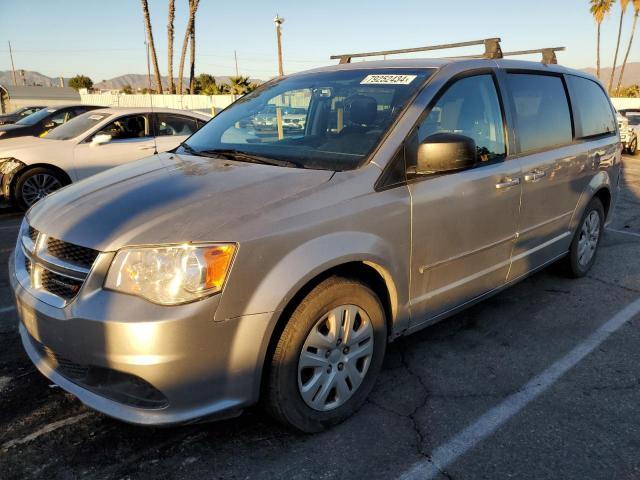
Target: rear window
(542, 111)
(592, 111)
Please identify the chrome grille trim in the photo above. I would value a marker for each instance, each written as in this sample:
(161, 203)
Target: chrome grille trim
(36, 261)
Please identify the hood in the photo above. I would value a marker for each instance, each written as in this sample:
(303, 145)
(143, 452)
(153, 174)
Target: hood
(169, 198)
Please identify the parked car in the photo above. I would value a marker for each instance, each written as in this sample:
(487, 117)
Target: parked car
(31, 167)
(38, 124)
(18, 114)
(195, 282)
(629, 125)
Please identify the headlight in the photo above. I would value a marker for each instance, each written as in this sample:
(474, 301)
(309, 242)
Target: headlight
(171, 275)
(7, 165)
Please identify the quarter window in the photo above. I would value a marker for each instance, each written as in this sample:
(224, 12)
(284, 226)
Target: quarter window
(469, 107)
(591, 108)
(542, 111)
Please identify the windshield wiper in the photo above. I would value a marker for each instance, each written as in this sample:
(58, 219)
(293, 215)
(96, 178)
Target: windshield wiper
(231, 154)
(188, 148)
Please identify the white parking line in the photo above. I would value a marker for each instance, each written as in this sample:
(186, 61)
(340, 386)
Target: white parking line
(624, 232)
(445, 455)
(7, 309)
(46, 429)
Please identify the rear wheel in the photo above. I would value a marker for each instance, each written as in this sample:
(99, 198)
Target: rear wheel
(35, 184)
(582, 253)
(633, 147)
(328, 356)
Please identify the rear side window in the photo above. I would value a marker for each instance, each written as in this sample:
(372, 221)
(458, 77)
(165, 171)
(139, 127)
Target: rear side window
(542, 111)
(172, 125)
(591, 107)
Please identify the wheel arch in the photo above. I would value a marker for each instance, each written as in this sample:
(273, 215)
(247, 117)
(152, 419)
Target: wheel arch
(18, 173)
(370, 273)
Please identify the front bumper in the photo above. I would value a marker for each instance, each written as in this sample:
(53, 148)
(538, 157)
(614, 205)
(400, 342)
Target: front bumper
(201, 367)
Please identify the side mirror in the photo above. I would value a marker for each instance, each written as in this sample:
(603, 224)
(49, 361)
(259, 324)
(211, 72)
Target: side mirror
(446, 152)
(100, 139)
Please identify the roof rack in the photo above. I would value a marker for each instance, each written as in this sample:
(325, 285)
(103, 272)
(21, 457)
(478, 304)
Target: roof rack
(492, 49)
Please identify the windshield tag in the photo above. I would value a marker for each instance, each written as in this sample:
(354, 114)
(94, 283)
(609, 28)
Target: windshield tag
(388, 79)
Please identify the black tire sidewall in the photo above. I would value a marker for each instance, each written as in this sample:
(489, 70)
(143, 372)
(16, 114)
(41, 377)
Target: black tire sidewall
(289, 404)
(576, 269)
(23, 176)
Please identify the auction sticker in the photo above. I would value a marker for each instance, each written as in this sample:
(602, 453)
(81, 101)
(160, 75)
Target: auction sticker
(386, 79)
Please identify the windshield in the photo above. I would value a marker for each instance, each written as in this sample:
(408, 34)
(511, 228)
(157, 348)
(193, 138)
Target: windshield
(35, 117)
(326, 120)
(77, 126)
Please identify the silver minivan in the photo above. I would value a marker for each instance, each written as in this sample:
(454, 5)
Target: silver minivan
(275, 264)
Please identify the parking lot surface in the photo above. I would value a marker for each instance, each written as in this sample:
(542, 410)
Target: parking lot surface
(504, 376)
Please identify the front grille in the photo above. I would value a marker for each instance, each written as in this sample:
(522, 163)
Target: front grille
(81, 256)
(53, 269)
(33, 234)
(59, 285)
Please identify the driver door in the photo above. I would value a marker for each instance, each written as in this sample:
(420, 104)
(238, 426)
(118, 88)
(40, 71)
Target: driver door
(463, 222)
(131, 140)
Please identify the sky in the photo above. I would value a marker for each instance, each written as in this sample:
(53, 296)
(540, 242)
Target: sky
(105, 39)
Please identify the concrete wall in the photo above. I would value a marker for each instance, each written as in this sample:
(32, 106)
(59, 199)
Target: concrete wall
(181, 102)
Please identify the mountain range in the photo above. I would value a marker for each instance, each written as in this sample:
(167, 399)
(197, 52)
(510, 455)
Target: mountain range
(135, 81)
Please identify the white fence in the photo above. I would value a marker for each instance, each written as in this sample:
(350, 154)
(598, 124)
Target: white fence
(218, 102)
(621, 103)
(210, 103)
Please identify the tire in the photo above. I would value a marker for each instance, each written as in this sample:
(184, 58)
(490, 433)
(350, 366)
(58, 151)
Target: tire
(336, 396)
(34, 184)
(587, 236)
(633, 147)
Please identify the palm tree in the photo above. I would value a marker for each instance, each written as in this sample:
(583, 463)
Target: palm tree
(636, 8)
(623, 9)
(193, 6)
(240, 85)
(154, 58)
(192, 56)
(172, 16)
(599, 9)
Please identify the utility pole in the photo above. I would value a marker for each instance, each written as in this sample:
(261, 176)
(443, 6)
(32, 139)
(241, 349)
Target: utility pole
(13, 68)
(235, 55)
(279, 21)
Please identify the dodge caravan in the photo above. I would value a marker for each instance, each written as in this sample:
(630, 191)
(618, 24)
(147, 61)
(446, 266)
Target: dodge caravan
(275, 267)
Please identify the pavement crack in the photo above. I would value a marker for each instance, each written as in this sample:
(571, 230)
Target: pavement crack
(611, 284)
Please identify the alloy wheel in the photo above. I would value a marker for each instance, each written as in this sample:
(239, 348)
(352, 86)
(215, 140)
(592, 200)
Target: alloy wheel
(38, 186)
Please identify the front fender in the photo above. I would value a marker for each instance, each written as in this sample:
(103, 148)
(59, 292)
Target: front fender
(301, 265)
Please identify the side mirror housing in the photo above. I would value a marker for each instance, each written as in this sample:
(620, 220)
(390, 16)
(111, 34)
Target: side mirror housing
(445, 152)
(100, 139)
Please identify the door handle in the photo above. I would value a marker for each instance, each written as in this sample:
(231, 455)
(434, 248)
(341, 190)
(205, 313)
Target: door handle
(509, 182)
(534, 176)
(146, 147)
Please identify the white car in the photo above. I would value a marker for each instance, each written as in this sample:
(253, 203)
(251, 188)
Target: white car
(31, 167)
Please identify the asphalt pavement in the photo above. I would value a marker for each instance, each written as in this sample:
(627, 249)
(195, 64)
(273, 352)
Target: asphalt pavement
(539, 382)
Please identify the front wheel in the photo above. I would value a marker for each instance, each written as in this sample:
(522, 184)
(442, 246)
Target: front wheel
(328, 356)
(633, 147)
(35, 184)
(582, 253)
